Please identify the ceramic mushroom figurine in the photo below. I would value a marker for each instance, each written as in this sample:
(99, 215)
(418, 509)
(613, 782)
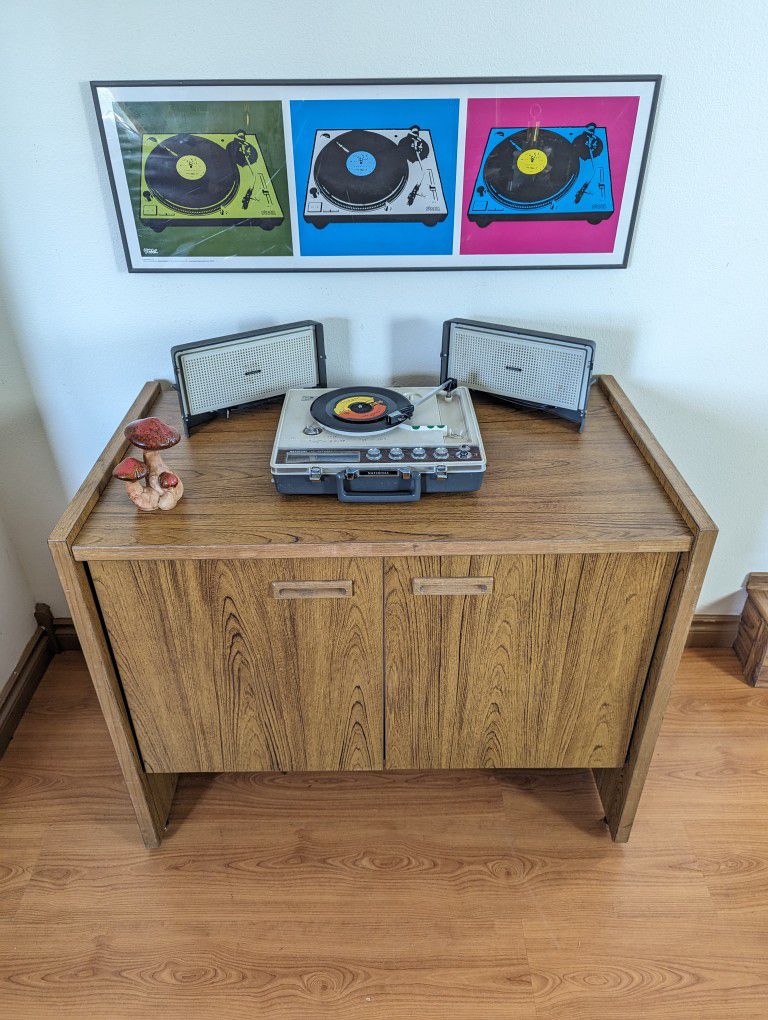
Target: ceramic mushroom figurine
(153, 435)
(133, 472)
(172, 488)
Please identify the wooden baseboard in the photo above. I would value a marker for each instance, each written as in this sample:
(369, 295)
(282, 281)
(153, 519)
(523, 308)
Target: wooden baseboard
(708, 631)
(26, 676)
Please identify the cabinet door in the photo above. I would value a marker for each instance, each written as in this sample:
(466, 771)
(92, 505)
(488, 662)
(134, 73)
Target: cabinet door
(518, 661)
(249, 665)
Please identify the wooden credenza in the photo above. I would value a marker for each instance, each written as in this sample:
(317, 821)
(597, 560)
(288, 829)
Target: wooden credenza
(537, 623)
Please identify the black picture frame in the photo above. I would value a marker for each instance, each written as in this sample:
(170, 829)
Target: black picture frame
(652, 80)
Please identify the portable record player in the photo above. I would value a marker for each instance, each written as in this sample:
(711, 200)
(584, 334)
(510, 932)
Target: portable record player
(191, 180)
(369, 444)
(536, 173)
(377, 175)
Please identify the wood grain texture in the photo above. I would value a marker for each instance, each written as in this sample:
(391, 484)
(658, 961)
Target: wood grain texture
(219, 675)
(545, 671)
(460, 894)
(751, 641)
(151, 795)
(620, 788)
(548, 488)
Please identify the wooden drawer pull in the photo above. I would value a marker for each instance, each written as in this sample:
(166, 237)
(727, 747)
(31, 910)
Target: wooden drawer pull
(313, 589)
(452, 585)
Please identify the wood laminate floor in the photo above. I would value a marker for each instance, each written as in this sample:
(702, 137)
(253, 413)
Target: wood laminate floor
(451, 896)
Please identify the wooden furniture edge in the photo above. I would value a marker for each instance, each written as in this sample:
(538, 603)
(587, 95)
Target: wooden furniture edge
(751, 641)
(376, 549)
(673, 483)
(620, 789)
(757, 582)
(151, 795)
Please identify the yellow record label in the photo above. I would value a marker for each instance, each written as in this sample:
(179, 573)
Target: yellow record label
(191, 168)
(532, 161)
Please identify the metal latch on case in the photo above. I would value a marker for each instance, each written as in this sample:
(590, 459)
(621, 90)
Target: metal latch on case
(315, 473)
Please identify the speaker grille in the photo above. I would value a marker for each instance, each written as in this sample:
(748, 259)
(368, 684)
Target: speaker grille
(538, 370)
(240, 371)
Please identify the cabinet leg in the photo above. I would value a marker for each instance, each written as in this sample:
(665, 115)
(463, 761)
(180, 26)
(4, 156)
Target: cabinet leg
(151, 795)
(620, 789)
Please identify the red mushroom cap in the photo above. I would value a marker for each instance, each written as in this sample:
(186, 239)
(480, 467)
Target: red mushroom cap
(151, 434)
(130, 470)
(168, 479)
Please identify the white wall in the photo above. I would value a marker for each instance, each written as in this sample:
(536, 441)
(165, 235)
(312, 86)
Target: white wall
(683, 328)
(31, 492)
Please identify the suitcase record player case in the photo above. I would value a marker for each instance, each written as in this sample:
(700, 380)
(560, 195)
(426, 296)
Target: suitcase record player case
(368, 444)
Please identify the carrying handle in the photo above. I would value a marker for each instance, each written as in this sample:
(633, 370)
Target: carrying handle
(312, 589)
(409, 495)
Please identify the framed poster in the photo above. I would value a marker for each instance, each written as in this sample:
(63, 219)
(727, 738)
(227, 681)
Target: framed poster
(483, 173)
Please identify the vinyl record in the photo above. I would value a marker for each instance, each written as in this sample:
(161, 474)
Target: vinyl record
(191, 174)
(361, 170)
(360, 410)
(531, 168)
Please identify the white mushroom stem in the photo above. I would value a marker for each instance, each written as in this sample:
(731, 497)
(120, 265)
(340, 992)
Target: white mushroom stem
(155, 465)
(142, 496)
(171, 497)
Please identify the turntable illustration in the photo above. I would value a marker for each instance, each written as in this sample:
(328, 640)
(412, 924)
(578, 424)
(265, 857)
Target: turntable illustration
(536, 173)
(194, 179)
(374, 175)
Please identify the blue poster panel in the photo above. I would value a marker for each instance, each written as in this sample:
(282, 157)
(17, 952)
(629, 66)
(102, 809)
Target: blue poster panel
(375, 176)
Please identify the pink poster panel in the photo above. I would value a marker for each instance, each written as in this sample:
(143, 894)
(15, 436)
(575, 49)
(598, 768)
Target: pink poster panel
(517, 200)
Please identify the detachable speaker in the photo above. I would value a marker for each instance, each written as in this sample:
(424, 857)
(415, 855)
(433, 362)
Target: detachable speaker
(544, 371)
(244, 369)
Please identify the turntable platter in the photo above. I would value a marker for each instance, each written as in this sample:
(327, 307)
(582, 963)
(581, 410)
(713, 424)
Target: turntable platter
(190, 173)
(361, 170)
(528, 169)
(360, 410)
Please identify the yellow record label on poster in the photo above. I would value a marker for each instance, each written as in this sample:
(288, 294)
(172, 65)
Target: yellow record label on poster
(191, 168)
(532, 161)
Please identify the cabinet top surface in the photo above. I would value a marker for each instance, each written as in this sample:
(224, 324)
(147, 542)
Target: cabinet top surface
(548, 488)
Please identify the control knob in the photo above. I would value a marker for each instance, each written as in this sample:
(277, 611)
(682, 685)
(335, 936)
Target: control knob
(441, 452)
(374, 453)
(395, 453)
(419, 453)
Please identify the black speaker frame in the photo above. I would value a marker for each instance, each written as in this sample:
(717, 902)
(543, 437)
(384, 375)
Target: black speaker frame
(193, 420)
(578, 417)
